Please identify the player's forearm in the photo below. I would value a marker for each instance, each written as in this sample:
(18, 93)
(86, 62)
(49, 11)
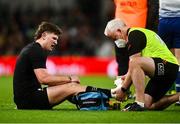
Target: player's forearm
(54, 80)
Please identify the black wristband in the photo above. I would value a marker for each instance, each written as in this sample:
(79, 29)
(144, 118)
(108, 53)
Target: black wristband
(124, 89)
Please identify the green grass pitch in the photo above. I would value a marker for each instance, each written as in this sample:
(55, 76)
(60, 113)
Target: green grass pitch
(67, 113)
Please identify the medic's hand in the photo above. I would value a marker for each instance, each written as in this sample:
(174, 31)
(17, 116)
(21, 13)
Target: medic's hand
(120, 95)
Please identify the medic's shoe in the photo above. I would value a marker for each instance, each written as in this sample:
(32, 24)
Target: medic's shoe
(133, 107)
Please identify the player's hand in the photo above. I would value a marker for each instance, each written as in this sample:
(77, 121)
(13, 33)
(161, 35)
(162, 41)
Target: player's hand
(75, 79)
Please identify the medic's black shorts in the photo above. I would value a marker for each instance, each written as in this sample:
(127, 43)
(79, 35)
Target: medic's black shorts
(164, 77)
(36, 100)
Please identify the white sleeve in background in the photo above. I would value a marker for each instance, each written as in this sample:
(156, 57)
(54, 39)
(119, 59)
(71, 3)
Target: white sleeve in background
(169, 8)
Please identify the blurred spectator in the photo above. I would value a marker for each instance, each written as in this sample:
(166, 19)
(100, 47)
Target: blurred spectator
(14, 41)
(82, 26)
(2, 39)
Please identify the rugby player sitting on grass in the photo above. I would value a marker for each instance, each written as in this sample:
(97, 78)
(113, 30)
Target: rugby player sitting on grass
(30, 73)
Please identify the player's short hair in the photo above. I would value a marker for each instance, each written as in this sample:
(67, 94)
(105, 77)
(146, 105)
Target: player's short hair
(113, 25)
(47, 27)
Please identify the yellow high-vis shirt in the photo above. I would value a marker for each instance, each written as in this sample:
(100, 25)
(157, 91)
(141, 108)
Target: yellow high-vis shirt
(155, 47)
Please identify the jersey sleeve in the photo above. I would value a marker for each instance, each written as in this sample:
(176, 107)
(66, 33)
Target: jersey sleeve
(38, 58)
(136, 42)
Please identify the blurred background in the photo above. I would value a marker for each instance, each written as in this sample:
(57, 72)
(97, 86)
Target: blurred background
(83, 23)
(83, 48)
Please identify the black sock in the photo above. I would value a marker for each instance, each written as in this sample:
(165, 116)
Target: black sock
(105, 91)
(72, 99)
